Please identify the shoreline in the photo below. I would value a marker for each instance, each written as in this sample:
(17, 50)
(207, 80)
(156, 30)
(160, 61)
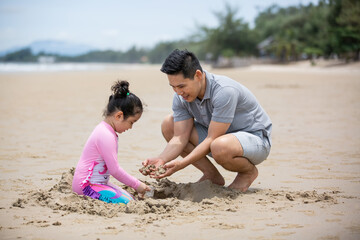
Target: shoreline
(320, 66)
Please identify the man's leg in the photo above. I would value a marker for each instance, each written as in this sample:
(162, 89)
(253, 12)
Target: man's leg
(204, 165)
(228, 152)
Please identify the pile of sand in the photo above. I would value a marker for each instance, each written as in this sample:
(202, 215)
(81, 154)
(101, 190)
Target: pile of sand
(169, 197)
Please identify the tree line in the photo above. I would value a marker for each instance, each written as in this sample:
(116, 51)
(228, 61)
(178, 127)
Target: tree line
(329, 29)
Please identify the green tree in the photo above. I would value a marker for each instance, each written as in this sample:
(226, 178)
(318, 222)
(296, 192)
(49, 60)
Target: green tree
(23, 55)
(345, 28)
(295, 30)
(232, 37)
(161, 50)
(133, 55)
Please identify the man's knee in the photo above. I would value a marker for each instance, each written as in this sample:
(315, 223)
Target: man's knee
(219, 150)
(167, 127)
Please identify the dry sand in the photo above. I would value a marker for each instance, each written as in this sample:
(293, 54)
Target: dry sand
(308, 188)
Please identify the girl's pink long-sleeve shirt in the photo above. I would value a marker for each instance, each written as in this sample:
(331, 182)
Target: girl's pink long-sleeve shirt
(99, 160)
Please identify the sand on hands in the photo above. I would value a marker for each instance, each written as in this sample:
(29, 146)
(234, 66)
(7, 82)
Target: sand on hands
(152, 169)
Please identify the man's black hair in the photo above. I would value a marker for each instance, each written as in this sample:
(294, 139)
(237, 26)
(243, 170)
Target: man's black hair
(181, 61)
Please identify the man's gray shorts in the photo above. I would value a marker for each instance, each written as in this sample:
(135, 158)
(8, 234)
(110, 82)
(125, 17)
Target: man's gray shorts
(256, 146)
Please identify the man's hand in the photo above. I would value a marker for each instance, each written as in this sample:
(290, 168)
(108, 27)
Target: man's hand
(150, 163)
(171, 168)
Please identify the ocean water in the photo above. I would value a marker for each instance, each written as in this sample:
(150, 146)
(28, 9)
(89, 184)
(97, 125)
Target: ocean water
(63, 67)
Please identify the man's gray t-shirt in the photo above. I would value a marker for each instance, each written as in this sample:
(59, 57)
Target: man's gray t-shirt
(225, 101)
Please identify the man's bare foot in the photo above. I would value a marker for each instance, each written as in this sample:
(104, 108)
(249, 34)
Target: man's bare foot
(243, 180)
(218, 179)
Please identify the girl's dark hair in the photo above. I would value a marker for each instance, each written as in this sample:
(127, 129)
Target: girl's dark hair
(181, 61)
(123, 100)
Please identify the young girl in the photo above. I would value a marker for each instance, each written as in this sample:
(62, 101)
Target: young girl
(99, 158)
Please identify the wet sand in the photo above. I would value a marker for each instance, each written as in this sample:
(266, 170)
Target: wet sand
(308, 188)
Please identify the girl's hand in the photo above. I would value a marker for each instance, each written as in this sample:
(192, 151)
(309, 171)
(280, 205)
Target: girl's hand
(142, 188)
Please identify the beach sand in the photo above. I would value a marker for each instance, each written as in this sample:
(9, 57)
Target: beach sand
(308, 188)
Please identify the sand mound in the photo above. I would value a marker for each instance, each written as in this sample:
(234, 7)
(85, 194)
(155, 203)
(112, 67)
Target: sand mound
(168, 196)
(195, 192)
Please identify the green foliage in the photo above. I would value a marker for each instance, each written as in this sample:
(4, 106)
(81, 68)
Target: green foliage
(23, 55)
(311, 51)
(133, 55)
(345, 28)
(159, 53)
(231, 38)
(331, 27)
(294, 30)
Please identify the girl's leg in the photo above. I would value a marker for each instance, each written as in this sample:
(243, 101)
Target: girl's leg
(109, 193)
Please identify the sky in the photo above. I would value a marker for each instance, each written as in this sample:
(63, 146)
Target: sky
(117, 24)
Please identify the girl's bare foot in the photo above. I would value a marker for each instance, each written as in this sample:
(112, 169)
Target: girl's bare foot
(243, 180)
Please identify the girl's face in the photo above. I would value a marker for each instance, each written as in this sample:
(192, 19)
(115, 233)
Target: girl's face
(121, 125)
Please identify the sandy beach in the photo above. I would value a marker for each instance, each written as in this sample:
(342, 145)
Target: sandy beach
(308, 188)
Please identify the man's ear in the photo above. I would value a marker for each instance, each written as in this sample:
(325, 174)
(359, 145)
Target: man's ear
(198, 75)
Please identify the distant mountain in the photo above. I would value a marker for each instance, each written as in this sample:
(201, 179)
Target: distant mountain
(54, 47)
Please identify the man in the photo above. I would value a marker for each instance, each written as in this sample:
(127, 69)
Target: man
(212, 115)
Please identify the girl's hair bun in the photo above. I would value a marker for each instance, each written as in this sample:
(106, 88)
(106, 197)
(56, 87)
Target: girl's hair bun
(120, 89)
(122, 100)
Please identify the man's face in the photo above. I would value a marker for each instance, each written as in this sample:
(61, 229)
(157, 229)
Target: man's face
(187, 88)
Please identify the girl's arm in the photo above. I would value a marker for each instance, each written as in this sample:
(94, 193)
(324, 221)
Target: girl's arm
(108, 150)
